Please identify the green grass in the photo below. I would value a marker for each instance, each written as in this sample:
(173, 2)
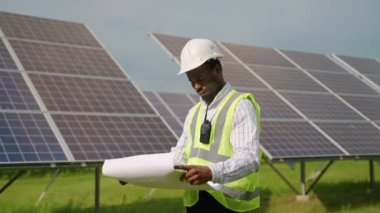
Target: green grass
(343, 188)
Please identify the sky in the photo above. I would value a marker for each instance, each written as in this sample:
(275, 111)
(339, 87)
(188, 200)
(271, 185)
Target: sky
(346, 27)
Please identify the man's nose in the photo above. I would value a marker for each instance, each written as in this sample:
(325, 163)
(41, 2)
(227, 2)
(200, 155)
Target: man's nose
(197, 86)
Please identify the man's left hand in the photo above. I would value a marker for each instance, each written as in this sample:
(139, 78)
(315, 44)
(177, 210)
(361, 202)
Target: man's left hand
(195, 175)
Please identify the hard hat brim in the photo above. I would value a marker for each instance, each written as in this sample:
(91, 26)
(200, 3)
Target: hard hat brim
(189, 68)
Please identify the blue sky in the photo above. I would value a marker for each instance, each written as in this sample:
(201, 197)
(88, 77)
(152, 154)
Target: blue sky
(348, 27)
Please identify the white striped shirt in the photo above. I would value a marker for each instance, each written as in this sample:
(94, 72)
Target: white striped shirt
(244, 140)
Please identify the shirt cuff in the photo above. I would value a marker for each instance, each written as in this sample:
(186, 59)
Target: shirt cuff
(216, 172)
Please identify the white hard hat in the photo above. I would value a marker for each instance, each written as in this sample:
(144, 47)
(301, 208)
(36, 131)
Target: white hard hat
(196, 52)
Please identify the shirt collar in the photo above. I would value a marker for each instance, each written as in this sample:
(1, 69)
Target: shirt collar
(219, 97)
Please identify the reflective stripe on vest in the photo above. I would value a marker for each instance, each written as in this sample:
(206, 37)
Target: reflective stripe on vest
(212, 155)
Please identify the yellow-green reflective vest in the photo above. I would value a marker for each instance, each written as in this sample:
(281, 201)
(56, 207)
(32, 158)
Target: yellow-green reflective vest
(242, 194)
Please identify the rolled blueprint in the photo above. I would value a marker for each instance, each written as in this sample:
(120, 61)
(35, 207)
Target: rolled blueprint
(151, 170)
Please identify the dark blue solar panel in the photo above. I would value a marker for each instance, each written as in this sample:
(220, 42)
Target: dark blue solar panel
(26, 137)
(286, 139)
(14, 93)
(6, 60)
(356, 138)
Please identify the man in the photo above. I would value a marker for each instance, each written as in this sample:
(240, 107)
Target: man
(220, 141)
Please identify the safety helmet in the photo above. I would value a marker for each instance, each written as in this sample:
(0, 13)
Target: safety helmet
(196, 52)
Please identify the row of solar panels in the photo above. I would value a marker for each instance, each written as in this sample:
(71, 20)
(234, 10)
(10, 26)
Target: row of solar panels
(314, 106)
(63, 98)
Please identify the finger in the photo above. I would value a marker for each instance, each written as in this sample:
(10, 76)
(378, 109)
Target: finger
(192, 179)
(182, 167)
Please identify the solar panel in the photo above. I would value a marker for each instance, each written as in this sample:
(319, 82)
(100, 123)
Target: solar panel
(174, 122)
(363, 65)
(70, 101)
(6, 61)
(34, 28)
(321, 106)
(272, 107)
(179, 103)
(239, 76)
(94, 137)
(65, 93)
(287, 79)
(258, 55)
(27, 137)
(14, 93)
(64, 59)
(368, 105)
(343, 83)
(295, 139)
(359, 139)
(175, 44)
(313, 61)
(374, 78)
(305, 91)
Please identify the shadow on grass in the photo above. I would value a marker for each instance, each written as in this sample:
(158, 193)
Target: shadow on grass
(346, 195)
(148, 206)
(141, 206)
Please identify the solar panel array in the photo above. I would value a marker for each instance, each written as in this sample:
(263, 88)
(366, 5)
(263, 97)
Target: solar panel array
(311, 106)
(65, 99)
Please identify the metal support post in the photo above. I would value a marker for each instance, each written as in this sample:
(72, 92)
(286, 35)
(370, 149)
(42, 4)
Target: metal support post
(319, 176)
(97, 189)
(11, 181)
(371, 177)
(281, 176)
(56, 173)
(302, 194)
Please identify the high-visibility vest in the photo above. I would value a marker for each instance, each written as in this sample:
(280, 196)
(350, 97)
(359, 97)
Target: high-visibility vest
(239, 195)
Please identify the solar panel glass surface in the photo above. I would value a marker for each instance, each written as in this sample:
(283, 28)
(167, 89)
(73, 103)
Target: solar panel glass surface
(343, 83)
(27, 137)
(321, 106)
(48, 30)
(313, 61)
(357, 138)
(14, 92)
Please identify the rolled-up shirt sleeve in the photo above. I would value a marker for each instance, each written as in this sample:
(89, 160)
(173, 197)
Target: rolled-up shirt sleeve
(245, 143)
(178, 151)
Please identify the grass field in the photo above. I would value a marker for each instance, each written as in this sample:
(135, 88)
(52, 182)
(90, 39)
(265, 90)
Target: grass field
(343, 188)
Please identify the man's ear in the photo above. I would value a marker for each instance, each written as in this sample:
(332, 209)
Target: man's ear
(218, 69)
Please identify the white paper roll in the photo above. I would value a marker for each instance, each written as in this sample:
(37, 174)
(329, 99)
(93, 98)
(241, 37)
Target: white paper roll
(152, 170)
